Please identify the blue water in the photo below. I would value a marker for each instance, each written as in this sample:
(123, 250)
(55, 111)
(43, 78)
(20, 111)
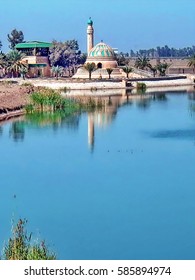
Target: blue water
(129, 195)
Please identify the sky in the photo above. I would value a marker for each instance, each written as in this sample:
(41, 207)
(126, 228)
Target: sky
(122, 24)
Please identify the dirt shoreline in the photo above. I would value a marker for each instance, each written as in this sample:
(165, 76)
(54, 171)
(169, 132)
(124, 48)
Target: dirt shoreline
(13, 98)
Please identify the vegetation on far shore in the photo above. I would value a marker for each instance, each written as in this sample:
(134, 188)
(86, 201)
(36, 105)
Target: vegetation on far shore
(65, 58)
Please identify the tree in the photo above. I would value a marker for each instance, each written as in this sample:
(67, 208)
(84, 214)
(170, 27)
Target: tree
(15, 63)
(3, 64)
(90, 67)
(191, 62)
(0, 45)
(3, 61)
(15, 37)
(66, 54)
(165, 51)
(127, 70)
(121, 59)
(57, 70)
(142, 62)
(162, 67)
(109, 70)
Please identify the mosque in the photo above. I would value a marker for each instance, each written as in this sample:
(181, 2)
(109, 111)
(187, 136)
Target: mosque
(102, 55)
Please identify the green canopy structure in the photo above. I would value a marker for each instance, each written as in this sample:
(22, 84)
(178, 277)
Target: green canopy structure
(33, 45)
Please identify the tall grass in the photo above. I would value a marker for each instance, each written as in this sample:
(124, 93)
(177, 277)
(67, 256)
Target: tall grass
(20, 246)
(49, 100)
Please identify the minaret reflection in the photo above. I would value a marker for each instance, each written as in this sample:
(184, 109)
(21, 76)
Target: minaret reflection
(91, 131)
(105, 116)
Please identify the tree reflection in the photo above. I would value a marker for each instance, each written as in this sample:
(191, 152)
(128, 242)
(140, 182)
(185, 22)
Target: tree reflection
(72, 121)
(54, 119)
(144, 102)
(159, 96)
(191, 96)
(1, 130)
(17, 131)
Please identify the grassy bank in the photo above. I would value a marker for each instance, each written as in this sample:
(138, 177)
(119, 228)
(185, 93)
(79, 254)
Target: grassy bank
(49, 100)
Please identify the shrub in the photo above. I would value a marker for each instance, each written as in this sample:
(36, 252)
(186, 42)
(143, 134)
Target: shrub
(93, 89)
(141, 88)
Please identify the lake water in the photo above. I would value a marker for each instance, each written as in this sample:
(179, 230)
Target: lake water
(115, 184)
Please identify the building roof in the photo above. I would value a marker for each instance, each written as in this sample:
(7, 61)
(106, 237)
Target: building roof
(37, 65)
(101, 50)
(33, 44)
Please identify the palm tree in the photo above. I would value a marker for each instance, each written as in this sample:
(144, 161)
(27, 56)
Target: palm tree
(15, 63)
(142, 62)
(162, 67)
(191, 62)
(127, 70)
(90, 67)
(57, 70)
(109, 70)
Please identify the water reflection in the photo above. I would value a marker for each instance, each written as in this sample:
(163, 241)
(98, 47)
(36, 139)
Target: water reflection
(17, 131)
(177, 134)
(159, 96)
(101, 117)
(191, 98)
(105, 116)
(144, 103)
(55, 120)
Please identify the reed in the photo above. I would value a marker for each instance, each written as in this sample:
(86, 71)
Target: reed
(21, 246)
(50, 101)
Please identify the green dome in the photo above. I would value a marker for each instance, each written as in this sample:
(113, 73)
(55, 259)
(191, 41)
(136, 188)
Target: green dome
(90, 21)
(101, 50)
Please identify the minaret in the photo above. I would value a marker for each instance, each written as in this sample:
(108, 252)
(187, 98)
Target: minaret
(89, 35)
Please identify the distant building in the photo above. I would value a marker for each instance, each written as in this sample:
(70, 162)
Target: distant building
(36, 57)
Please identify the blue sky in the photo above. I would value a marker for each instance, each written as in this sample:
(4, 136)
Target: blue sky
(122, 24)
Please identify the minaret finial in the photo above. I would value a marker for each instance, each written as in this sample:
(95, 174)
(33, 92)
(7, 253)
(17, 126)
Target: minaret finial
(90, 21)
